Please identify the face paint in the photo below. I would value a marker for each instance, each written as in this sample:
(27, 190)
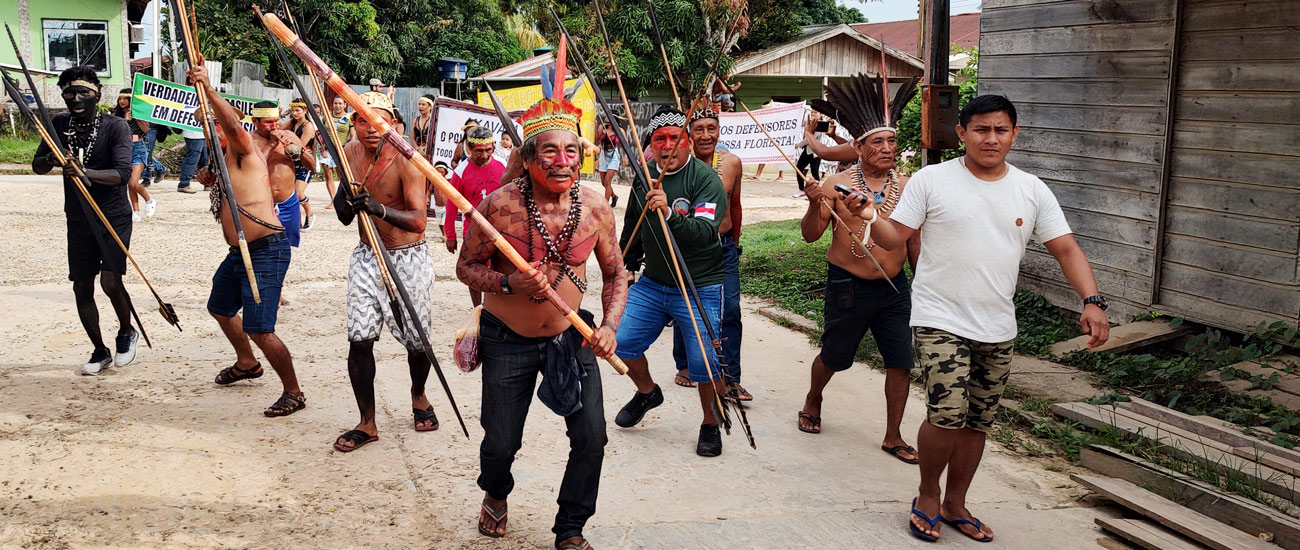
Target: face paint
(81, 102)
(266, 125)
(556, 172)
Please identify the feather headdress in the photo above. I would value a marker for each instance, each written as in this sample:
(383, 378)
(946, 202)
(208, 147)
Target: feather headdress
(553, 112)
(862, 105)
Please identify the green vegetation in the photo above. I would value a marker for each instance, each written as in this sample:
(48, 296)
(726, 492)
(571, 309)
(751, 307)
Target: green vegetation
(909, 127)
(18, 150)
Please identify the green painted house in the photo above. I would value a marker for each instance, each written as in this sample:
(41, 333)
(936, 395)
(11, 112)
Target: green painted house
(57, 34)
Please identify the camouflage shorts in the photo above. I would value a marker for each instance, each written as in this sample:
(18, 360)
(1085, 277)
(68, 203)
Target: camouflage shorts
(963, 378)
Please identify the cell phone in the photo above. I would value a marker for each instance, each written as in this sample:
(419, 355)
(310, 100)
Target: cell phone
(844, 189)
(823, 126)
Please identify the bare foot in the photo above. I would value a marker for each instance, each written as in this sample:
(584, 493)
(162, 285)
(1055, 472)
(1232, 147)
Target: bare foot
(283, 301)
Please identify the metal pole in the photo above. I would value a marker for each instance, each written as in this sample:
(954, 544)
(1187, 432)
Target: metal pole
(156, 7)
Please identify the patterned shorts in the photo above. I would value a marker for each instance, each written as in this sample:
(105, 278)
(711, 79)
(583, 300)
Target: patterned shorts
(368, 298)
(963, 379)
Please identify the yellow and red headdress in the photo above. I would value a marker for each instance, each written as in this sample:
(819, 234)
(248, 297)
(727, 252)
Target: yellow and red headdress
(550, 114)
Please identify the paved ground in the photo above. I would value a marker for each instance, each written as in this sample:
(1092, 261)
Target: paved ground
(155, 455)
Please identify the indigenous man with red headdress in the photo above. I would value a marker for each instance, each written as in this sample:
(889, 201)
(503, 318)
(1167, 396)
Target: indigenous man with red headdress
(556, 224)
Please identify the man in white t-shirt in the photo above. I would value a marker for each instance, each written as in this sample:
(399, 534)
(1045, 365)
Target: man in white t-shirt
(978, 213)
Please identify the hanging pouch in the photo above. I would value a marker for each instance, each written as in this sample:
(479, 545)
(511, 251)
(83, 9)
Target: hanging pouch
(466, 350)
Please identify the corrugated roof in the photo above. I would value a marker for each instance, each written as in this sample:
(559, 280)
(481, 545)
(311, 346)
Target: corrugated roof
(963, 29)
(531, 67)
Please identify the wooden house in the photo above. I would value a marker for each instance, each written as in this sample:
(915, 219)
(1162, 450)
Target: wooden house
(1170, 132)
(794, 71)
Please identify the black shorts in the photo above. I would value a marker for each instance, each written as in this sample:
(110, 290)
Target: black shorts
(85, 256)
(854, 305)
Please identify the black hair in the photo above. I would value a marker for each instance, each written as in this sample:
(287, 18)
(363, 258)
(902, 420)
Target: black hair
(988, 103)
(264, 104)
(478, 132)
(429, 97)
(124, 91)
(80, 72)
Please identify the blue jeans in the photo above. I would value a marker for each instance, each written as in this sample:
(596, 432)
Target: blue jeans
(511, 364)
(154, 166)
(196, 155)
(730, 331)
(230, 290)
(650, 306)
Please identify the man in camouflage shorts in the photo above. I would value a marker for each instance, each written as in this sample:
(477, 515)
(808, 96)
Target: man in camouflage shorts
(976, 214)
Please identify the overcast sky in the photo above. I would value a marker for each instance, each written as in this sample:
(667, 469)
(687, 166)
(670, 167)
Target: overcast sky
(880, 11)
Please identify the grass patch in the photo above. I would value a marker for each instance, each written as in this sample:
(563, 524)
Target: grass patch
(18, 150)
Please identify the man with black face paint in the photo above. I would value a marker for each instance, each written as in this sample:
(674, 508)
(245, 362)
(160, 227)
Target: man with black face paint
(101, 143)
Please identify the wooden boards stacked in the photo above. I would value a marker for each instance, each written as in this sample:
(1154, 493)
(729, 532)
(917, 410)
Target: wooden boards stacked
(1190, 523)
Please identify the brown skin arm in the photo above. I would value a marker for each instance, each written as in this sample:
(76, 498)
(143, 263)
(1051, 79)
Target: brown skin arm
(842, 153)
(474, 267)
(238, 142)
(1077, 270)
(818, 215)
(613, 294)
(416, 219)
(514, 169)
(913, 242)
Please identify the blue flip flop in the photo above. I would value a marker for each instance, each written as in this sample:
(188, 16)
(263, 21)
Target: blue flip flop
(917, 532)
(979, 527)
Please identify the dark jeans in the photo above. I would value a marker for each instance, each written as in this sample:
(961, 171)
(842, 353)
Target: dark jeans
(812, 162)
(730, 329)
(153, 166)
(196, 155)
(511, 364)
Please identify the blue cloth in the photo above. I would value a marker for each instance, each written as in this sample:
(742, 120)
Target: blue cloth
(196, 155)
(149, 141)
(731, 328)
(139, 153)
(291, 218)
(650, 306)
(230, 290)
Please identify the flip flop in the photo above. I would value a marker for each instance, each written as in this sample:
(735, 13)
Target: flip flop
(425, 415)
(979, 528)
(684, 381)
(498, 516)
(917, 532)
(357, 438)
(815, 420)
(898, 448)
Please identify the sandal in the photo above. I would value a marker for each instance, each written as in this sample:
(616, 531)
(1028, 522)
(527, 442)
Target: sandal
(979, 528)
(286, 405)
(683, 381)
(816, 422)
(741, 393)
(357, 438)
(425, 415)
(233, 373)
(917, 532)
(898, 449)
(498, 515)
(580, 544)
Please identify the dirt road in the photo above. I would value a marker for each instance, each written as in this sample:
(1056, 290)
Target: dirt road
(156, 455)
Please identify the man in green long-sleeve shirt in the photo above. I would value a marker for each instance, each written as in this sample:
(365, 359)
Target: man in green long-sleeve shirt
(692, 199)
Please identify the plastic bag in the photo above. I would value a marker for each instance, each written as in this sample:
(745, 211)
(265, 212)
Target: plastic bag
(466, 350)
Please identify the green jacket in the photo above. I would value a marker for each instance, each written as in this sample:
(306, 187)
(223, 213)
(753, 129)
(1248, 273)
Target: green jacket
(698, 201)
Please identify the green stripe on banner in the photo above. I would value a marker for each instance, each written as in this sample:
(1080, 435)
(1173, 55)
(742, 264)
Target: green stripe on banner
(158, 101)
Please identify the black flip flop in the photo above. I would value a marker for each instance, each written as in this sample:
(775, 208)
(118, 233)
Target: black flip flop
(898, 448)
(498, 516)
(815, 420)
(357, 438)
(232, 374)
(425, 415)
(688, 382)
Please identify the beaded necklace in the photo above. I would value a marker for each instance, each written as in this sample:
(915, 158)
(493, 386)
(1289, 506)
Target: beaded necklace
(79, 140)
(552, 252)
(887, 198)
(716, 166)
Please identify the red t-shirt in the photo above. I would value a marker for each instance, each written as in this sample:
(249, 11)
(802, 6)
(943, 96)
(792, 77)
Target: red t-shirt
(475, 183)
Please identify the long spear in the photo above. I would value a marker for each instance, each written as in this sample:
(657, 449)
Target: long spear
(396, 289)
(189, 41)
(43, 125)
(840, 221)
(507, 124)
(654, 24)
(335, 82)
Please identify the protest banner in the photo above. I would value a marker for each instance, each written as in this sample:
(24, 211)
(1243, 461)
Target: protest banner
(161, 102)
(524, 97)
(746, 140)
(450, 115)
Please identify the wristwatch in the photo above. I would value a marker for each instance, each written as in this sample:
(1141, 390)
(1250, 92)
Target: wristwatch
(1097, 300)
(505, 284)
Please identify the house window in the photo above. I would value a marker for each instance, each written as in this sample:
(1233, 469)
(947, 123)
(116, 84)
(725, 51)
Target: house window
(69, 43)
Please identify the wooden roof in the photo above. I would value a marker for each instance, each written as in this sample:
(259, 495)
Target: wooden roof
(827, 50)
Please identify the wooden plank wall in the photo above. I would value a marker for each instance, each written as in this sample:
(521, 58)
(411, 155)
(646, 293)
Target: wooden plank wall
(1090, 81)
(838, 56)
(1233, 204)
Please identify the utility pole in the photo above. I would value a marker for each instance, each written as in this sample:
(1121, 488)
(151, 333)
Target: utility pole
(154, 6)
(936, 56)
